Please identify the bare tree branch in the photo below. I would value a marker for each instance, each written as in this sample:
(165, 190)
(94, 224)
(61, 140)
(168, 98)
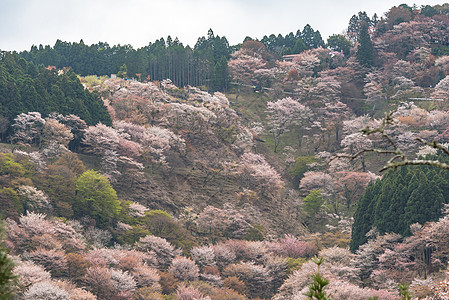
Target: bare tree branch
(399, 157)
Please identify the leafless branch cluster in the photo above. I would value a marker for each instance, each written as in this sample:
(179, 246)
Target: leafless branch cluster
(399, 157)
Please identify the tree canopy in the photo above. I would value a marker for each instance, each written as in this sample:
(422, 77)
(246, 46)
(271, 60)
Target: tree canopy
(413, 194)
(24, 87)
(96, 198)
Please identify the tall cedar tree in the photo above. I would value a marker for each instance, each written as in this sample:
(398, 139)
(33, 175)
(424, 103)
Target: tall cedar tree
(26, 88)
(401, 198)
(365, 51)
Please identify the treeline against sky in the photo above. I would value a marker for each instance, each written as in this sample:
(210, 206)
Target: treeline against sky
(203, 65)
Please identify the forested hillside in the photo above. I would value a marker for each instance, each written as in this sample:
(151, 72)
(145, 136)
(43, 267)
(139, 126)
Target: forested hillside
(220, 171)
(25, 88)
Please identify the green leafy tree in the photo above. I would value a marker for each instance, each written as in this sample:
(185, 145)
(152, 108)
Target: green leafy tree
(340, 43)
(312, 204)
(123, 72)
(25, 88)
(299, 47)
(428, 11)
(300, 167)
(8, 280)
(95, 197)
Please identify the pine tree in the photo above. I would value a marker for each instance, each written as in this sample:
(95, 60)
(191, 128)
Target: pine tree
(319, 283)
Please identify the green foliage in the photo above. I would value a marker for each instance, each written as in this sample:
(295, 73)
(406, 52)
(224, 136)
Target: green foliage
(25, 88)
(255, 232)
(157, 212)
(227, 134)
(440, 50)
(319, 283)
(300, 167)
(132, 235)
(95, 197)
(161, 224)
(58, 182)
(340, 43)
(220, 76)
(428, 11)
(8, 281)
(365, 50)
(123, 72)
(403, 197)
(206, 64)
(10, 205)
(312, 38)
(312, 204)
(294, 264)
(9, 167)
(404, 292)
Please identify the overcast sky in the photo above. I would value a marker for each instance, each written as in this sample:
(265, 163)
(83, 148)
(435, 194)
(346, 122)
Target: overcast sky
(138, 22)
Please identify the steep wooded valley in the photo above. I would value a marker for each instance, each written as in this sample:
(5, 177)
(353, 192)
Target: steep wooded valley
(286, 167)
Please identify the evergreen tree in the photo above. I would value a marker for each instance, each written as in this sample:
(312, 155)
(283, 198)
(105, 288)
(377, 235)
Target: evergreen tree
(8, 280)
(365, 50)
(399, 199)
(25, 88)
(363, 217)
(311, 38)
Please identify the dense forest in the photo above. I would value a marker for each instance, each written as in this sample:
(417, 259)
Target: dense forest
(25, 87)
(279, 168)
(203, 65)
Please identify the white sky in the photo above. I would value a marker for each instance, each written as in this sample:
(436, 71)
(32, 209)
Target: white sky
(138, 22)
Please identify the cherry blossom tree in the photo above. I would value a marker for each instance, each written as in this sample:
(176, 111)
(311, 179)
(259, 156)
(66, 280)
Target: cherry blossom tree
(351, 185)
(99, 281)
(442, 89)
(243, 66)
(28, 128)
(203, 255)
(188, 293)
(137, 209)
(256, 278)
(30, 273)
(147, 276)
(55, 132)
(285, 113)
(53, 260)
(290, 246)
(157, 142)
(164, 251)
(123, 282)
(100, 138)
(226, 222)
(34, 200)
(76, 125)
(184, 269)
(316, 180)
(261, 173)
(46, 290)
